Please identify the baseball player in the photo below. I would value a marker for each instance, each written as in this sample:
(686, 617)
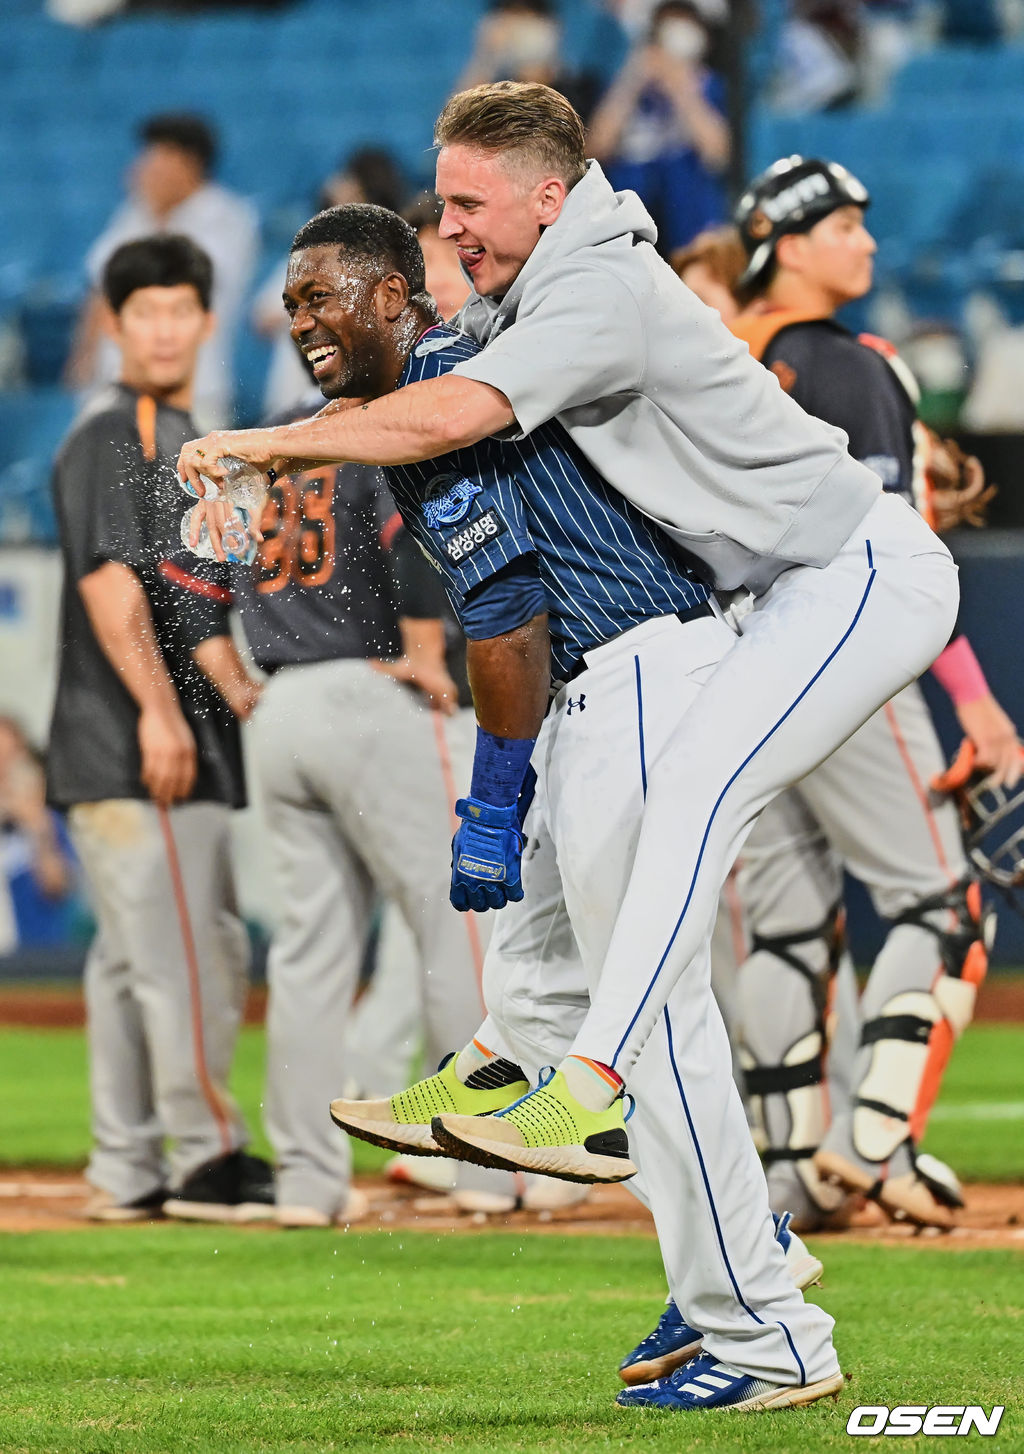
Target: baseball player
(584, 323)
(145, 754)
(869, 807)
(543, 563)
(357, 807)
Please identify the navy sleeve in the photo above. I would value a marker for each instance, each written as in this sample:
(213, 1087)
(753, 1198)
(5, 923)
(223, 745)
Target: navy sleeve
(504, 602)
(835, 378)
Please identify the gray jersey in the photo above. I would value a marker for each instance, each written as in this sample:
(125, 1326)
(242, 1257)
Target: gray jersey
(665, 402)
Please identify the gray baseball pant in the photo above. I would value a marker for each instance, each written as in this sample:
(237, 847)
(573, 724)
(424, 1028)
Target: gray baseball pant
(165, 986)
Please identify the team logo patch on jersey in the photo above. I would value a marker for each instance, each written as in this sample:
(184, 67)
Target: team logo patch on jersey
(485, 527)
(448, 500)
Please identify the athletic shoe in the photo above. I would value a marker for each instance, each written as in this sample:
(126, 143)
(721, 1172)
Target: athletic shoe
(234, 1188)
(402, 1123)
(803, 1267)
(545, 1194)
(909, 1188)
(101, 1207)
(547, 1131)
(436, 1173)
(704, 1383)
(814, 1205)
(357, 1206)
(673, 1342)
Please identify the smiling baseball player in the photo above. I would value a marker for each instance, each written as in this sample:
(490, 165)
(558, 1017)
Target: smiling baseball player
(543, 562)
(582, 322)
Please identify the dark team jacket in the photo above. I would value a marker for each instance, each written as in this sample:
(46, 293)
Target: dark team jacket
(117, 498)
(844, 380)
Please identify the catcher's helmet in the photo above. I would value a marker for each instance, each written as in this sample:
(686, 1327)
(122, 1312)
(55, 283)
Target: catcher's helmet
(992, 817)
(791, 196)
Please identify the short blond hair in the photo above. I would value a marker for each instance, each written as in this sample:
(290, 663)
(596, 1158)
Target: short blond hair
(523, 117)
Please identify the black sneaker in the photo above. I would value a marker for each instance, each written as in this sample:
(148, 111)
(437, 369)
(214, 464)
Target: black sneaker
(234, 1188)
(101, 1207)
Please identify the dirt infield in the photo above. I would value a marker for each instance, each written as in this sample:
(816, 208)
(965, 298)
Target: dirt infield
(37, 1201)
(1001, 1000)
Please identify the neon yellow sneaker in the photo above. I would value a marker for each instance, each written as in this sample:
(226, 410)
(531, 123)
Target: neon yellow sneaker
(547, 1131)
(402, 1122)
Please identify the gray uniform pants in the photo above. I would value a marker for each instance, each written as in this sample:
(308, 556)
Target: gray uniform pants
(867, 808)
(356, 803)
(165, 986)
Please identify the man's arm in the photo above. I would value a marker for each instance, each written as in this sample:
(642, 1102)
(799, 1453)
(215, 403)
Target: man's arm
(422, 663)
(511, 677)
(218, 659)
(423, 420)
(119, 612)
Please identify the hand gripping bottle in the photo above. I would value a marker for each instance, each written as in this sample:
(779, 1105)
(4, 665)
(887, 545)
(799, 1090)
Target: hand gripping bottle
(239, 546)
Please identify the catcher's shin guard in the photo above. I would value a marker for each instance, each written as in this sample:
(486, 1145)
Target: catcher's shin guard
(789, 1099)
(912, 1038)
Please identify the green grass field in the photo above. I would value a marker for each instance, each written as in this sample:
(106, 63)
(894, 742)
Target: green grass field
(148, 1340)
(45, 1101)
(160, 1339)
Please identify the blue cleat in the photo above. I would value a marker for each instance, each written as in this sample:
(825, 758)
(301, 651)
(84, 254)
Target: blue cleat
(704, 1383)
(673, 1342)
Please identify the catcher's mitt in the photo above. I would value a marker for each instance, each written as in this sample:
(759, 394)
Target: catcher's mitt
(955, 488)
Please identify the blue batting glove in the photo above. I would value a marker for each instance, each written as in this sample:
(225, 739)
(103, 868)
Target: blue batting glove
(485, 856)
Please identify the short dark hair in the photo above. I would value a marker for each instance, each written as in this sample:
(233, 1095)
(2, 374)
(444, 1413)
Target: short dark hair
(519, 117)
(371, 232)
(162, 261)
(187, 132)
(423, 212)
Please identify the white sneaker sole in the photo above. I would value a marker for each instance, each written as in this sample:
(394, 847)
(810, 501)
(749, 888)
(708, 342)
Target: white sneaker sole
(412, 1140)
(805, 1272)
(568, 1163)
(794, 1398)
(219, 1212)
(903, 1198)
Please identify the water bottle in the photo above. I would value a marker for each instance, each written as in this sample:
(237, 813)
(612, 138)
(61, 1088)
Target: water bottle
(244, 485)
(238, 544)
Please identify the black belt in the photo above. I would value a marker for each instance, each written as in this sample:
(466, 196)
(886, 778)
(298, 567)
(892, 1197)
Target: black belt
(688, 613)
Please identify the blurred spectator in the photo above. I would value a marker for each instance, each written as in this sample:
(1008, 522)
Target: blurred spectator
(889, 37)
(446, 281)
(170, 191)
(711, 267)
(661, 128)
(37, 883)
(521, 40)
(817, 68)
(370, 174)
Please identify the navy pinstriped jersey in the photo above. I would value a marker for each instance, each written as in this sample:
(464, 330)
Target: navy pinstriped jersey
(604, 566)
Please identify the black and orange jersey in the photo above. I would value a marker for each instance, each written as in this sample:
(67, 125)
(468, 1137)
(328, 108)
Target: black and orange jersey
(117, 498)
(321, 586)
(845, 380)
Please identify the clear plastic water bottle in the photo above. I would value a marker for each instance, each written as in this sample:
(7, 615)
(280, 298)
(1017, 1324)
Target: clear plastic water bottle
(244, 485)
(239, 546)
